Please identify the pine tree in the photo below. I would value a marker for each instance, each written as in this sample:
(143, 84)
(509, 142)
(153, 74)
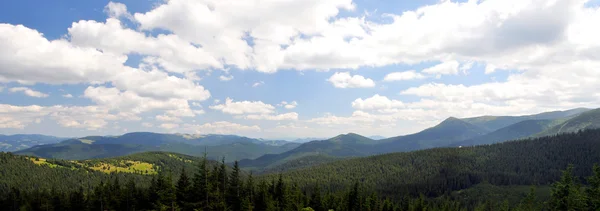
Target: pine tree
(234, 200)
(316, 201)
(183, 191)
(566, 193)
(201, 185)
(353, 198)
(593, 191)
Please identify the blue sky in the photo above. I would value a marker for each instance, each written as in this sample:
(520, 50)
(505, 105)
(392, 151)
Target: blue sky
(76, 68)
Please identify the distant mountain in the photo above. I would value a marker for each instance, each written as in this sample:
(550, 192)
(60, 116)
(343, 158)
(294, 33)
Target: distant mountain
(586, 120)
(377, 137)
(519, 130)
(10, 143)
(276, 142)
(309, 139)
(448, 132)
(345, 145)
(217, 146)
(493, 123)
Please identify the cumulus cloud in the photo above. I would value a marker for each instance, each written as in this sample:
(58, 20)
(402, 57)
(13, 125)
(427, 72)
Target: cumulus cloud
(221, 127)
(226, 78)
(377, 102)
(257, 84)
(244, 107)
(290, 105)
(67, 96)
(404, 76)
(279, 117)
(444, 68)
(345, 80)
(29, 92)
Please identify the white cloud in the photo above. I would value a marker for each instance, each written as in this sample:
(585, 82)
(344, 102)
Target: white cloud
(169, 126)
(345, 80)
(147, 124)
(116, 10)
(244, 107)
(165, 118)
(52, 62)
(444, 68)
(290, 105)
(377, 102)
(28, 91)
(221, 127)
(67, 96)
(279, 117)
(257, 84)
(404, 76)
(226, 78)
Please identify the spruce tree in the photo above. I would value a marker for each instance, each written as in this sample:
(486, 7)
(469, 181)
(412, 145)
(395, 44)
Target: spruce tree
(183, 191)
(234, 200)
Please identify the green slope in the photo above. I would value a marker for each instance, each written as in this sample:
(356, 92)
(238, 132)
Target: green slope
(448, 132)
(345, 145)
(586, 120)
(493, 123)
(439, 170)
(515, 131)
(30, 174)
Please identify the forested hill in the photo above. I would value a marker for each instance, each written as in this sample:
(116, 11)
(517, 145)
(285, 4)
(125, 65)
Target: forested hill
(229, 146)
(29, 173)
(436, 171)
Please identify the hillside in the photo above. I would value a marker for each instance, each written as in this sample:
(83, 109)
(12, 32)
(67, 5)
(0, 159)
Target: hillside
(519, 130)
(9, 143)
(586, 120)
(218, 146)
(345, 145)
(436, 171)
(35, 173)
(493, 123)
(448, 132)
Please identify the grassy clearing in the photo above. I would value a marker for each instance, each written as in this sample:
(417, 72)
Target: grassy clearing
(180, 158)
(126, 166)
(86, 141)
(42, 161)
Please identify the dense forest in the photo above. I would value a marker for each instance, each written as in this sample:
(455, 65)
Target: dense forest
(437, 179)
(220, 189)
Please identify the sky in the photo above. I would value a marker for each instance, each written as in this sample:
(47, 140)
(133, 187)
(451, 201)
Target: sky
(288, 68)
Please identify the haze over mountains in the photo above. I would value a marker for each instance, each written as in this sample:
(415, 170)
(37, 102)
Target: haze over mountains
(261, 154)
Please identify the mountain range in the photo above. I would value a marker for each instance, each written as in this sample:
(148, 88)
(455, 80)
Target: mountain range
(268, 155)
(16, 142)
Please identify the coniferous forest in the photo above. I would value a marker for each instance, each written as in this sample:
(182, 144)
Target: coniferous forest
(561, 167)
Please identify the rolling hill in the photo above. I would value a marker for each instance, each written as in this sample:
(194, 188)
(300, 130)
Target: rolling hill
(493, 123)
(217, 146)
(449, 131)
(345, 145)
(437, 171)
(519, 130)
(353, 145)
(586, 120)
(9, 143)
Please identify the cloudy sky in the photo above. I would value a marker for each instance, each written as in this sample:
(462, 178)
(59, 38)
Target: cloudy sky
(289, 68)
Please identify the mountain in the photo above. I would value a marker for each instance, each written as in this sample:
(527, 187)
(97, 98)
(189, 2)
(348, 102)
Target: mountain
(217, 146)
(376, 137)
(276, 142)
(309, 139)
(436, 171)
(345, 145)
(447, 132)
(519, 130)
(586, 120)
(493, 123)
(9, 143)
